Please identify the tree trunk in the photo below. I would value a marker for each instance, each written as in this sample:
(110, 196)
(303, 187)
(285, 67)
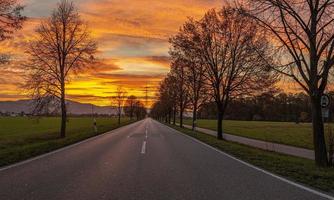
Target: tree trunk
(194, 117)
(169, 116)
(63, 112)
(318, 133)
(119, 115)
(174, 116)
(181, 117)
(219, 123)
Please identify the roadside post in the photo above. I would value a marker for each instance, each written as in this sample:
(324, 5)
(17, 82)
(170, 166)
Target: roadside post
(94, 120)
(325, 102)
(95, 125)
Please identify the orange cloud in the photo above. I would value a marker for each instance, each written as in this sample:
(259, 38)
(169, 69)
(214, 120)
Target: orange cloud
(133, 45)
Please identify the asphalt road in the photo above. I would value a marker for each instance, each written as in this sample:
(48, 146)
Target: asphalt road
(145, 160)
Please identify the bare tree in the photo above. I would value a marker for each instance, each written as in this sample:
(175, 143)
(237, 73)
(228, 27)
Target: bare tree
(139, 110)
(197, 88)
(11, 18)
(130, 105)
(303, 32)
(231, 50)
(62, 45)
(179, 72)
(194, 69)
(118, 101)
(157, 110)
(168, 96)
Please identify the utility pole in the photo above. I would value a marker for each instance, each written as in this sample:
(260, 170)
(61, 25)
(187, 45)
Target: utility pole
(148, 89)
(146, 96)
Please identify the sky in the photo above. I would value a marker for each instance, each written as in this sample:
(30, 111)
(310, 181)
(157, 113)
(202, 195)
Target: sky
(132, 36)
(133, 45)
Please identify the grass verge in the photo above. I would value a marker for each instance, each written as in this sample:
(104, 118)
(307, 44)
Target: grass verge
(293, 168)
(289, 133)
(26, 138)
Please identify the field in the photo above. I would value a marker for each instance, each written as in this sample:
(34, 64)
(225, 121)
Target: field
(297, 169)
(22, 137)
(289, 133)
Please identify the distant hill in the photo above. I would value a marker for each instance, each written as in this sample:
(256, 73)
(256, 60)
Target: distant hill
(73, 107)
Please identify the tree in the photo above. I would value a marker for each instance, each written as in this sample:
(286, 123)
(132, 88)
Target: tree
(273, 105)
(231, 49)
(303, 32)
(62, 46)
(196, 85)
(168, 96)
(139, 110)
(157, 110)
(194, 70)
(168, 99)
(11, 20)
(118, 101)
(130, 105)
(178, 72)
(171, 95)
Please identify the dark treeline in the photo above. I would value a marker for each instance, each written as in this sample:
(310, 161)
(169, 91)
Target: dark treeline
(268, 106)
(129, 106)
(134, 108)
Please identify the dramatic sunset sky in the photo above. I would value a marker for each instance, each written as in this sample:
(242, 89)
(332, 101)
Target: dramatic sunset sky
(133, 43)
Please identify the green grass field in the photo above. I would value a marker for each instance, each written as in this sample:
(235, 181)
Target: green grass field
(289, 133)
(294, 168)
(22, 137)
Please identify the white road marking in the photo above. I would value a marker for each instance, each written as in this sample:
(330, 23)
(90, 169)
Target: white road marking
(143, 148)
(254, 167)
(146, 133)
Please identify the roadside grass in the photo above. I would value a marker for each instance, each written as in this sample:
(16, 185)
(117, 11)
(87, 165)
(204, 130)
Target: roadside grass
(293, 168)
(289, 133)
(22, 138)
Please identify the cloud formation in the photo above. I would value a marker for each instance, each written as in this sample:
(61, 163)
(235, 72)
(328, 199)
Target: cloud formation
(133, 45)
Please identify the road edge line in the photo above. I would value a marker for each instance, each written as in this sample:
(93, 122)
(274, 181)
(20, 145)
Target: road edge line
(298, 185)
(62, 148)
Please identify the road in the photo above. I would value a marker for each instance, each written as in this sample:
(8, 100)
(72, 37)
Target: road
(145, 160)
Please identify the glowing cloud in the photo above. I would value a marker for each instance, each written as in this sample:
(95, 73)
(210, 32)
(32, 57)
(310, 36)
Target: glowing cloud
(133, 45)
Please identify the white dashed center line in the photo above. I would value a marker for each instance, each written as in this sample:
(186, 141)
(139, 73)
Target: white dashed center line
(143, 148)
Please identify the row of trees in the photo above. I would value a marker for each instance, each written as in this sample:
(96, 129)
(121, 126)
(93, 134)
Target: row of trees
(267, 106)
(130, 105)
(238, 49)
(219, 57)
